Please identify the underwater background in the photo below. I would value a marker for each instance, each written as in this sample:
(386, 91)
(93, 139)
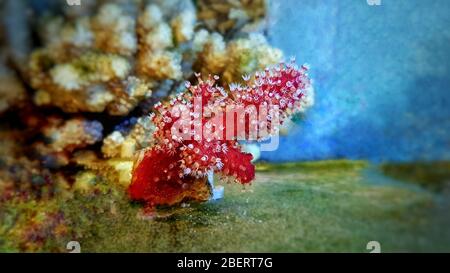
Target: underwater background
(382, 81)
(382, 78)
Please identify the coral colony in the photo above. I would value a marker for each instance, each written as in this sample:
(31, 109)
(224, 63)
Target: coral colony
(197, 132)
(96, 100)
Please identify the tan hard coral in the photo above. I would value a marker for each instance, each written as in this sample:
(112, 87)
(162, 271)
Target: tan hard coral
(233, 59)
(72, 134)
(155, 58)
(114, 30)
(120, 144)
(92, 64)
(227, 16)
(12, 90)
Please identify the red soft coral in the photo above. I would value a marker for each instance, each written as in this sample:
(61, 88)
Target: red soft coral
(156, 180)
(197, 132)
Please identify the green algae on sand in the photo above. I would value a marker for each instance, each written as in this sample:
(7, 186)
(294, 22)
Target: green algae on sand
(327, 206)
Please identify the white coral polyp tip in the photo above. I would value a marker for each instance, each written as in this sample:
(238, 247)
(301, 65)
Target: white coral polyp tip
(246, 77)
